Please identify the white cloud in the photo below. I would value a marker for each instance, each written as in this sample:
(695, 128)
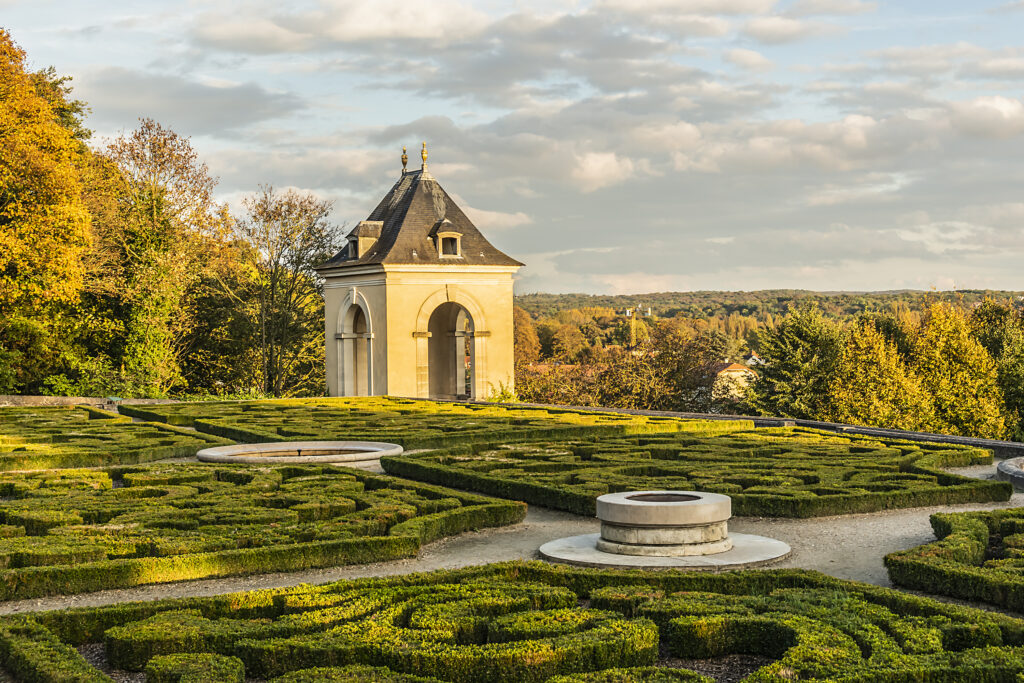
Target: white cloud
(989, 116)
(595, 170)
(691, 6)
(809, 7)
(748, 59)
(778, 29)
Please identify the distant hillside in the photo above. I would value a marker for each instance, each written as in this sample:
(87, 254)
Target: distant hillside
(758, 304)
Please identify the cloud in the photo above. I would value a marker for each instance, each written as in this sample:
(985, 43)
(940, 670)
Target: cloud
(119, 96)
(989, 116)
(778, 29)
(802, 8)
(491, 220)
(748, 59)
(595, 170)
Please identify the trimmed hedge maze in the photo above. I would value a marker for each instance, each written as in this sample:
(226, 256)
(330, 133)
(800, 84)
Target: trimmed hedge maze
(411, 423)
(525, 623)
(74, 531)
(978, 556)
(70, 436)
(776, 472)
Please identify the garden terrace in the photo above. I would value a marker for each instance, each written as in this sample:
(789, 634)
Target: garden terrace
(74, 531)
(978, 556)
(410, 423)
(68, 436)
(775, 472)
(525, 623)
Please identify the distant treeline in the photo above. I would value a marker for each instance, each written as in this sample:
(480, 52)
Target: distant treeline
(764, 305)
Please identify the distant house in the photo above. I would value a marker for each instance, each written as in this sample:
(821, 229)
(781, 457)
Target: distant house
(732, 380)
(753, 360)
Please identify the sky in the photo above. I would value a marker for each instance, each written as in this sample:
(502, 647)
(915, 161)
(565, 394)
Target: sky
(614, 146)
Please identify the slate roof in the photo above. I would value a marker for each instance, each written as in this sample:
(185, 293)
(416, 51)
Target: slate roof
(410, 214)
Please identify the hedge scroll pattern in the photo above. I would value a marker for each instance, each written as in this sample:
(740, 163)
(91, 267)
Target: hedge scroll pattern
(526, 623)
(978, 556)
(44, 438)
(776, 472)
(411, 423)
(73, 531)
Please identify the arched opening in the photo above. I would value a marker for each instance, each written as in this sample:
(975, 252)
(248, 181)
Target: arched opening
(450, 352)
(355, 365)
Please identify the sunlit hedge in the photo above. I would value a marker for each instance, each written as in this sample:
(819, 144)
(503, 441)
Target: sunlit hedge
(73, 531)
(45, 438)
(978, 556)
(776, 472)
(530, 622)
(411, 423)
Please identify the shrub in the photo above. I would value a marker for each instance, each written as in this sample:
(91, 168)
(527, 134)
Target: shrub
(44, 438)
(977, 556)
(80, 533)
(524, 622)
(776, 472)
(195, 668)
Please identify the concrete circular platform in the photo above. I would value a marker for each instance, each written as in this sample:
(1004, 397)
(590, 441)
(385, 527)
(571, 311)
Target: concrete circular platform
(747, 551)
(1011, 470)
(299, 452)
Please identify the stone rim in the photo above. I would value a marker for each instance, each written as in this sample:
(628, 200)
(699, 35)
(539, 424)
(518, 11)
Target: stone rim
(316, 452)
(629, 508)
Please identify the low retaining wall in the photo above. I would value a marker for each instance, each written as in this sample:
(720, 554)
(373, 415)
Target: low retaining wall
(18, 400)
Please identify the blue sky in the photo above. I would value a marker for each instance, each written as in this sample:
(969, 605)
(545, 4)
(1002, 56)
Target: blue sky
(617, 146)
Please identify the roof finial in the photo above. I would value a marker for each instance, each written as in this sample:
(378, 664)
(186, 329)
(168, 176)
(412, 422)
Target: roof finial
(405, 159)
(424, 155)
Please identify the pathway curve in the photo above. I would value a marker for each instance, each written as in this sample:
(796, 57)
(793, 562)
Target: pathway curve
(847, 546)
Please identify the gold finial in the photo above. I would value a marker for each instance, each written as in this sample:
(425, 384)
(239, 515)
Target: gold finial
(424, 155)
(405, 159)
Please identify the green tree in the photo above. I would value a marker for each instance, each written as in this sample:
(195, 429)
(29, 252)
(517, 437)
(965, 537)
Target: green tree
(687, 364)
(630, 380)
(873, 386)
(801, 354)
(958, 373)
(288, 233)
(999, 327)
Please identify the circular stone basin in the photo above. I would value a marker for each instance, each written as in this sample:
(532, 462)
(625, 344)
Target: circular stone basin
(664, 523)
(1011, 470)
(299, 452)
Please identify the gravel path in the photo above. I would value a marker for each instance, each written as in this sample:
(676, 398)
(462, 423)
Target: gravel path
(848, 547)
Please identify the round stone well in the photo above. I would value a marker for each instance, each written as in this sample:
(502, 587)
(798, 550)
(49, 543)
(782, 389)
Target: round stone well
(665, 529)
(299, 452)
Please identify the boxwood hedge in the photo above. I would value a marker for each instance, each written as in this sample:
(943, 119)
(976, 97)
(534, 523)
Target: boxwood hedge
(73, 531)
(411, 423)
(69, 436)
(775, 472)
(526, 622)
(978, 556)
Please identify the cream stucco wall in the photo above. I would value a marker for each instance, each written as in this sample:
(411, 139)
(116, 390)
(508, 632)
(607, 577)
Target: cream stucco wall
(398, 302)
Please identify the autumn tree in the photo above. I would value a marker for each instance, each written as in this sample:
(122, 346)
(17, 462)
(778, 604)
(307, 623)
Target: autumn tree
(526, 341)
(44, 225)
(872, 385)
(687, 363)
(999, 327)
(959, 374)
(289, 234)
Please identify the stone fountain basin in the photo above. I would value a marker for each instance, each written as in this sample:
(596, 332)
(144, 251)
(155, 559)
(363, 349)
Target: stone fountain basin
(299, 452)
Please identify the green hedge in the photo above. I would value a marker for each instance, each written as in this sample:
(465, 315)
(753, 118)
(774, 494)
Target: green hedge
(977, 556)
(201, 667)
(523, 622)
(85, 530)
(70, 436)
(412, 423)
(777, 472)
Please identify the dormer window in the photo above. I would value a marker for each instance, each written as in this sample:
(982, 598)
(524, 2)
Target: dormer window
(449, 244)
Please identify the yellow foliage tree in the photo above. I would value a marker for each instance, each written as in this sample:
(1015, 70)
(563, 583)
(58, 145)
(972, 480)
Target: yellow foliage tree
(873, 386)
(44, 225)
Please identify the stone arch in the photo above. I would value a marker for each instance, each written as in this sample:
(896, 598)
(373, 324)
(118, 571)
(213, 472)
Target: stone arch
(459, 307)
(355, 346)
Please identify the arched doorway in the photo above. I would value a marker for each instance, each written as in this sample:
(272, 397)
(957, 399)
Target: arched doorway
(451, 354)
(356, 366)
